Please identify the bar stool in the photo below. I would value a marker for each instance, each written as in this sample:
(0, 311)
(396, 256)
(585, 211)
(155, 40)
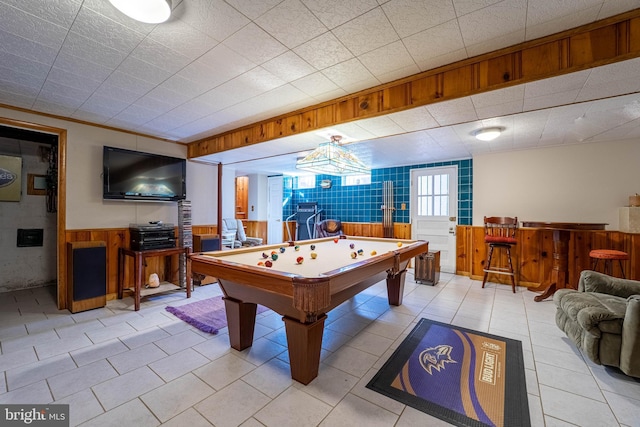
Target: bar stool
(500, 232)
(608, 255)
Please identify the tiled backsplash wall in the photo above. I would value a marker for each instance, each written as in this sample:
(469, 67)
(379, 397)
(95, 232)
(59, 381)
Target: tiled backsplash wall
(361, 203)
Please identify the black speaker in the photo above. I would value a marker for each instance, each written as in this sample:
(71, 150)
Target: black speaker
(86, 275)
(206, 242)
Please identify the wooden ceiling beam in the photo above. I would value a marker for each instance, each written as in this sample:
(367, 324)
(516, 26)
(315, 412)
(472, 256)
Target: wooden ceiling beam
(604, 42)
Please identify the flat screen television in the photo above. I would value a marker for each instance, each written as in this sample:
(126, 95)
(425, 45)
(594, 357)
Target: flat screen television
(133, 175)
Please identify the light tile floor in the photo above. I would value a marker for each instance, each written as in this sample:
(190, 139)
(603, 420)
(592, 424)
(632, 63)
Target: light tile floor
(115, 366)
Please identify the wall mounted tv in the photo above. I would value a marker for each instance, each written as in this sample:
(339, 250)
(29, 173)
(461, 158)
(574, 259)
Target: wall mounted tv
(133, 175)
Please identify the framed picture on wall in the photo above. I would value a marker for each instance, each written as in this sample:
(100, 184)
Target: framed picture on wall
(10, 178)
(36, 185)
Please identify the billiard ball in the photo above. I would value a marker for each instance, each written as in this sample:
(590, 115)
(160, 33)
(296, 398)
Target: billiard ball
(360, 251)
(354, 255)
(313, 255)
(264, 255)
(335, 240)
(268, 263)
(313, 247)
(273, 252)
(282, 249)
(399, 244)
(261, 264)
(274, 256)
(297, 248)
(299, 260)
(352, 245)
(373, 253)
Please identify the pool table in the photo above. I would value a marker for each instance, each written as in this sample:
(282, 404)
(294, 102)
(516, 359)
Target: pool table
(303, 290)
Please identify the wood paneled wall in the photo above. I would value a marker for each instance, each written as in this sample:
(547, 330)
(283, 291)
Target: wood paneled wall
(363, 229)
(116, 238)
(533, 255)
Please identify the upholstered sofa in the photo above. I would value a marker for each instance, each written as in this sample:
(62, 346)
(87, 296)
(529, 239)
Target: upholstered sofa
(602, 318)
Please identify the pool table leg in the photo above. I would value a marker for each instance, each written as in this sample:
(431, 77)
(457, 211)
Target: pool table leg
(241, 321)
(395, 287)
(305, 342)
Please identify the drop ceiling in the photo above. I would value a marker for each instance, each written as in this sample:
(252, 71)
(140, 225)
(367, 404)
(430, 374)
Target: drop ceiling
(219, 65)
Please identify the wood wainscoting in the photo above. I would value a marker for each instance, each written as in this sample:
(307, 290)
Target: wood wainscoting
(533, 255)
(117, 238)
(362, 229)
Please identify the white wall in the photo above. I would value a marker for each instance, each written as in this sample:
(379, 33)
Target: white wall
(576, 183)
(85, 207)
(258, 197)
(228, 192)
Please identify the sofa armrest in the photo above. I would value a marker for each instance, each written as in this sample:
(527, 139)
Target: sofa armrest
(592, 281)
(630, 348)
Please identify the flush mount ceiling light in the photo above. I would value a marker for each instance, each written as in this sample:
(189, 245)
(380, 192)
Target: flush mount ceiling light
(147, 11)
(488, 134)
(332, 159)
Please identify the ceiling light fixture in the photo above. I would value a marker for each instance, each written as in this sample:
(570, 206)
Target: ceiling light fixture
(488, 134)
(332, 159)
(147, 11)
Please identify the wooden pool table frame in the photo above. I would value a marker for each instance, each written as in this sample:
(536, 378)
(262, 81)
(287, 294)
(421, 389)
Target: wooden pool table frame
(302, 301)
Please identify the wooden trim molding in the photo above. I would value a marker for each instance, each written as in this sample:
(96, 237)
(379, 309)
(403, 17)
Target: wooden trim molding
(604, 42)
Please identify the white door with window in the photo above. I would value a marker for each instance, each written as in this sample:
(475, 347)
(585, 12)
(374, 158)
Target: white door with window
(274, 210)
(434, 211)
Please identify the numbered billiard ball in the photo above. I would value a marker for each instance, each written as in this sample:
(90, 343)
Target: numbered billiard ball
(297, 248)
(299, 260)
(360, 251)
(313, 247)
(313, 255)
(274, 256)
(399, 244)
(335, 240)
(354, 255)
(282, 249)
(352, 245)
(264, 255)
(261, 264)
(373, 253)
(268, 263)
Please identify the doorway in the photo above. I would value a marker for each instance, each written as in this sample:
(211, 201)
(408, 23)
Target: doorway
(242, 197)
(61, 200)
(434, 211)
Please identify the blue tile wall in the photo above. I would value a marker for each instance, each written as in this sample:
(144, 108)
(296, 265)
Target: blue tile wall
(361, 203)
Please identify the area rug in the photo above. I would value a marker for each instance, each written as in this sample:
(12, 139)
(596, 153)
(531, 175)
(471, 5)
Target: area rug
(461, 376)
(208, 315)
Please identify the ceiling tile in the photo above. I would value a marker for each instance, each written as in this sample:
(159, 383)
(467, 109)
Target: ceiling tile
(82, 66)
(30, 27)
(513, 107)
(442, 41)
(27, 49)
(453, 111)
(366, 32)
(558, 23)
(180, 37)
(288, 67)
(213, 17)
(414, 119)
(336, 12)
(324, 51)
(398, 73)
(255, 44)
(109, 33)
(494, 21)
(554, 85)
(291, 23)
(559, 98)
(387, 59)
(92, 51)
(162, 57)
(106, 9)
(410, 17)
(60, 12)
(380, 126)
(18, 65)
(497, 97)
(252, 8)
(315, 84)
(464, 7)
(59, 106)
(614, 7)
(539, 11)
(73, 80)
(20, 83)
(347, 73)
(137, 68)
(104, 105)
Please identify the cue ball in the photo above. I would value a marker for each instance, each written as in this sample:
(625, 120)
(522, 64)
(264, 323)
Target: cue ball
(354, 255)
(313, 255)
(297, 248)
(268, 263)
(274, 256)
(373, 253)
(352, 246)
(299, 260)
(313, 247)
(399, 244)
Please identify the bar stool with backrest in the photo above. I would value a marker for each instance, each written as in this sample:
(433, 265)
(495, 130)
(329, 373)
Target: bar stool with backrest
(500, 232)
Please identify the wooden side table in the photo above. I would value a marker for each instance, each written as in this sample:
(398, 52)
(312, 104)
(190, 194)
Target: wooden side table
(138, 272)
